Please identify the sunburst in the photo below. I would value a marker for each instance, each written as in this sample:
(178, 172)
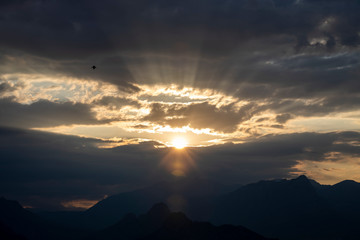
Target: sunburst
(179, 142)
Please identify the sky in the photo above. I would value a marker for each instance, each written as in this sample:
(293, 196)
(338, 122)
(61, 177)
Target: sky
(255, 89)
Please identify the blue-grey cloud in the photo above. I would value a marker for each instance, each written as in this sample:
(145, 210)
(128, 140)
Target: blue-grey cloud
(43, 169)
(45, 113)
(218, 31)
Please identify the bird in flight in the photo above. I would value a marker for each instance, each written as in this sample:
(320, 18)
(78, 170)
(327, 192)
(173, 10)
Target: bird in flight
(93, 67)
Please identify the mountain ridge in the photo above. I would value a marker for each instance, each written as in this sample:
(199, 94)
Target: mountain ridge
(159, 223)
(175, 193)
(30, 225)
(274, 208)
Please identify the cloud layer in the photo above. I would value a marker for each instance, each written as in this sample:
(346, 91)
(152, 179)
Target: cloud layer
(46, 170)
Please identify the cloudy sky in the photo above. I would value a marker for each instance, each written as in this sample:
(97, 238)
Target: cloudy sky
(256, 89)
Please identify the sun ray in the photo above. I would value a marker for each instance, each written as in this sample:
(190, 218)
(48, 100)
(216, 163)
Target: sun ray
(179, 163)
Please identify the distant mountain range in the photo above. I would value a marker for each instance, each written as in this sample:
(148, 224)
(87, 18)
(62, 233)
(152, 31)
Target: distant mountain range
(175, 193)
(288, 209)
(295, 209)
(157, 224)
(16, 222)
(160, 224)
(299, 208)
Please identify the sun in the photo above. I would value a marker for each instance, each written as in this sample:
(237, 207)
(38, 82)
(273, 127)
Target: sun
(179, 142)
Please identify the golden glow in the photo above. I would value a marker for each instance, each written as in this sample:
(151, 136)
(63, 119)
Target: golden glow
(127, 118)
(337, 167)
(178, 163)
(179, 142)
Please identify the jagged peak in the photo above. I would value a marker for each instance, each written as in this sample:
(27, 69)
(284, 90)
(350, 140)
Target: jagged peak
(302, 178)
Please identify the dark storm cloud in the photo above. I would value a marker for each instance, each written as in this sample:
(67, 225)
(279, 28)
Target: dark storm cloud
(49, 28)
(45, 113)
(94, 32)
(298, 76)
(83, 28)
(58, 167)
(43, 169)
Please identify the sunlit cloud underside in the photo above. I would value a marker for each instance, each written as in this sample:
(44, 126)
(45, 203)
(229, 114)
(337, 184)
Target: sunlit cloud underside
(161, 112)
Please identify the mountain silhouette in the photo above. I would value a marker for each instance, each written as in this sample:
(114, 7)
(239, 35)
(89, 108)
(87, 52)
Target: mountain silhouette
(343, 196)
(176, 193)
(25, 223)
(22, 221)
(159, 223)
(294, 209)
(288, 209)
(178, 227)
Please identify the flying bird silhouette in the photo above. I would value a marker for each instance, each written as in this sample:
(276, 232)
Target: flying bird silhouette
(93, 67)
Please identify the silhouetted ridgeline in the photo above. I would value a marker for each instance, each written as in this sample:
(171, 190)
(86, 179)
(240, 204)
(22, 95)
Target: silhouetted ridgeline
(289, 209)
(294, 209)
(18, 220)
(175, 193)
(160, 224)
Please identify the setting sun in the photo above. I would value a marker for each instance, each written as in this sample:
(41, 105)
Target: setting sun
(179, 142)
